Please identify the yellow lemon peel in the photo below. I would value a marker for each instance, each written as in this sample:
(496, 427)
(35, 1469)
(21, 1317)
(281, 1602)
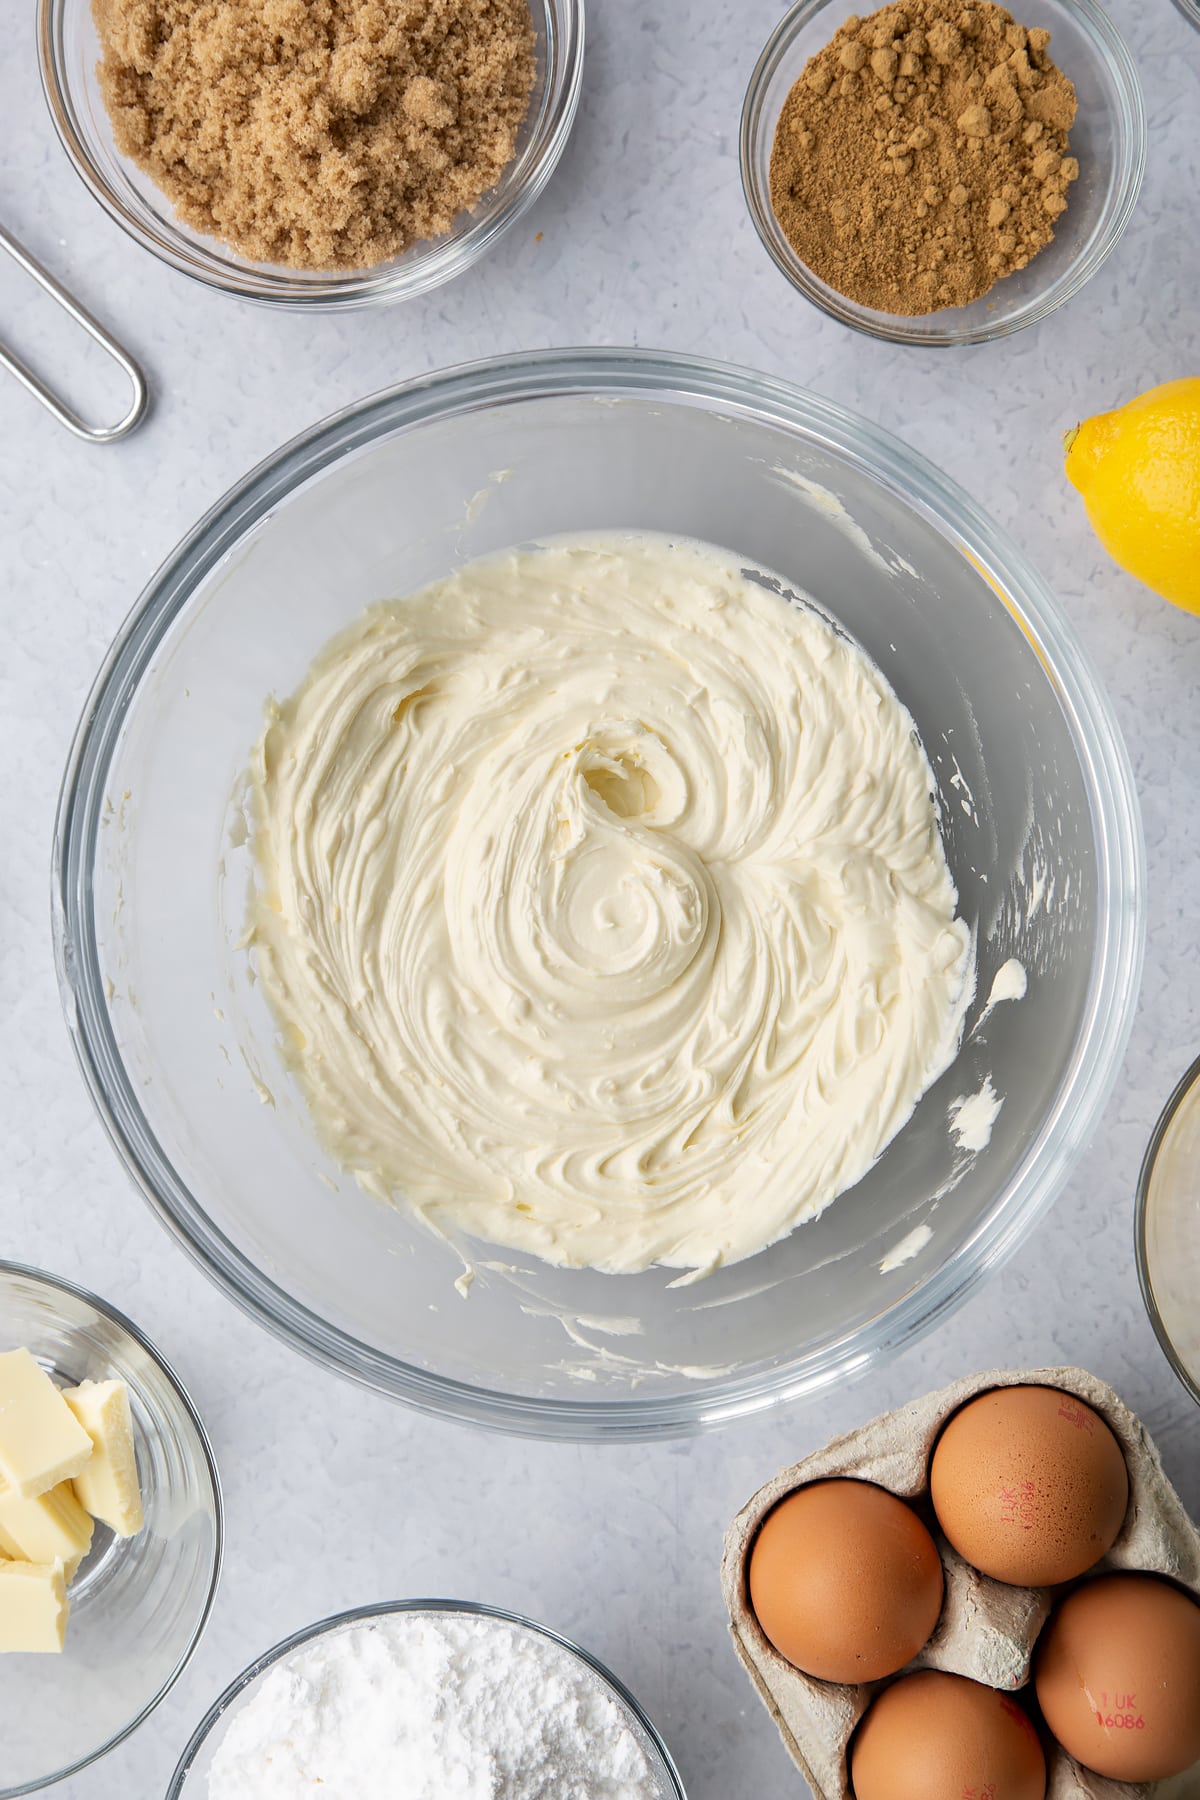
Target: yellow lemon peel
(1138, 470)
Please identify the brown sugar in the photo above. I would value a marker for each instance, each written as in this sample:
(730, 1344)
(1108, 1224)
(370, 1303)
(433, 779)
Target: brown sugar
(322, 134)
(922, 155)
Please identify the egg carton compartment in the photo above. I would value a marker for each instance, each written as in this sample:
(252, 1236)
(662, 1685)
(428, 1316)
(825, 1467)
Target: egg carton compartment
(987, 1630)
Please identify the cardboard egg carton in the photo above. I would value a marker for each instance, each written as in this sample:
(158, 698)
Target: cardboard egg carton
(987, 1629)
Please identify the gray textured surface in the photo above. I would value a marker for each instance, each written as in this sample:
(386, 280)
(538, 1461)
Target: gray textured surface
(335, 1498)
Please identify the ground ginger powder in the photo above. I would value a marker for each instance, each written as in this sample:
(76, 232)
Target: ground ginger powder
(922, 155)
(322, 134)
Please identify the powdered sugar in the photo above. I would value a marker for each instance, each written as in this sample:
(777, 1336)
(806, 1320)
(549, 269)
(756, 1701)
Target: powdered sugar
(430, 1706)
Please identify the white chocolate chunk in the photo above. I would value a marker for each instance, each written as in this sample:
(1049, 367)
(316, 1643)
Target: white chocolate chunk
(108, 1486)
(41, 1441)
(33, 1606)
(51, 1528)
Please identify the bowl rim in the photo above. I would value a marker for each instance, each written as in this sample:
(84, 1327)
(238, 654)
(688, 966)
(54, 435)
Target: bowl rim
(1141, 1227)
(389, 1609)
(554, 100)
(601, 374)
(923, 330)
(58, 1284)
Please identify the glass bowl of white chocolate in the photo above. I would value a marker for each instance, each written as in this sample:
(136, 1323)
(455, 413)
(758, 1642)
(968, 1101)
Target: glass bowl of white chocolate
(110, 1529)
(816, 515)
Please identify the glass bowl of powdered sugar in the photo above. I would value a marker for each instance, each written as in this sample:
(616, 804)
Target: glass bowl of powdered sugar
(423, 1697)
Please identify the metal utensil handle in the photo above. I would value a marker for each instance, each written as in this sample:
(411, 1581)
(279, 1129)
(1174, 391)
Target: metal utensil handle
(92, 434)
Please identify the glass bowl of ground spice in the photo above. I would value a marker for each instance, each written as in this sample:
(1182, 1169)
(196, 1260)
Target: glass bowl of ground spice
(939, 173)
(314, 156)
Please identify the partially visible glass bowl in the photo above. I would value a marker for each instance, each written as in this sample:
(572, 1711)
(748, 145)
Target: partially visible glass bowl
(151, 870)
(1191, 11)
(1108, 137)
(139, 1604)
(191, 1777)
(1168, 1230)
(69, 49)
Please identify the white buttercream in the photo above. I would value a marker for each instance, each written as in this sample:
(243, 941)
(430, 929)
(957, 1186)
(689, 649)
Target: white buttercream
(602, 905)
(906, 1249)
(973, 1115)
(1011, 983)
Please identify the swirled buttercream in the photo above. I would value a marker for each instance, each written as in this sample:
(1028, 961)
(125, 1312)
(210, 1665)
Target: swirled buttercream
(602, 906)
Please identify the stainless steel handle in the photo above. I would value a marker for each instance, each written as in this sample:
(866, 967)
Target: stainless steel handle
(33, 384)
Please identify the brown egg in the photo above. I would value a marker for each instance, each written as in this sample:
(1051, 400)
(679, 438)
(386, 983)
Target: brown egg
(1029, 1484)
(932, 1736)
(1118, 1677)
(845, 1581)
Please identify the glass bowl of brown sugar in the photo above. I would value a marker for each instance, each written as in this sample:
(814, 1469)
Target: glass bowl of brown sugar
(402, 261)
(849, 208)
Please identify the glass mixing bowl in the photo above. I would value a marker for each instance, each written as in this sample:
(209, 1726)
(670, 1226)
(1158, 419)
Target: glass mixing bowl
(190, 1781)
(151, 872)
(139, 1604)
(68, 50)
(1108, 137)
(1167, 1230)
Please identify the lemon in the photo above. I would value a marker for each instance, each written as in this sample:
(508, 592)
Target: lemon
(1138, 469)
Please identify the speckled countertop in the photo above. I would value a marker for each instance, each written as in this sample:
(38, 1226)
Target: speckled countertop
(334, 1497)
